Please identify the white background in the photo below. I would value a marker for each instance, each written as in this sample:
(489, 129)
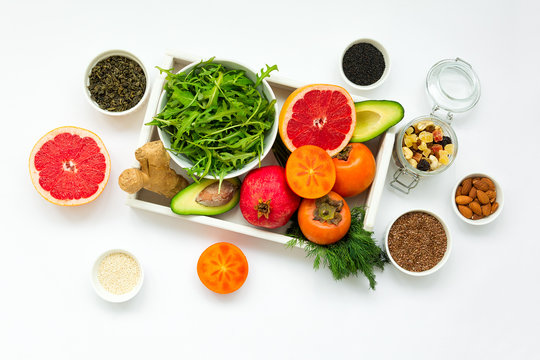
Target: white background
(483, 304)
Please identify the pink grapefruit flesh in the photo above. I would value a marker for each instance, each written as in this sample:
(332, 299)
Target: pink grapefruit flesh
(320, 115)
(70, 166)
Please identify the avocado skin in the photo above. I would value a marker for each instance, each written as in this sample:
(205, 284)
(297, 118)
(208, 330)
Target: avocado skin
(184, 202)
(390, 113)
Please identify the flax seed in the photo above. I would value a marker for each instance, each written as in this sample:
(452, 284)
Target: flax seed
(417, 241)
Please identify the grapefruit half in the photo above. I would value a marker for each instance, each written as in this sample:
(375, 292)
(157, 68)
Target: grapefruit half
(321, 115)
(70, 166)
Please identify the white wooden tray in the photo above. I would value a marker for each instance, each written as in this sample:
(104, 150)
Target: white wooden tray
(233, 220)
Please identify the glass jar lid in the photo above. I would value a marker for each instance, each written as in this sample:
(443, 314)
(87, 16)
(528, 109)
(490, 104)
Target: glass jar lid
(453, 85)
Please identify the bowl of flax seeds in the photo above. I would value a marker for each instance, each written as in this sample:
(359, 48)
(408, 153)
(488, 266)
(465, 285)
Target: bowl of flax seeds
(418, 242)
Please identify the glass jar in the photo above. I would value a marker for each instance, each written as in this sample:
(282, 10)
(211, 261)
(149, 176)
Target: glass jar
(453, 86)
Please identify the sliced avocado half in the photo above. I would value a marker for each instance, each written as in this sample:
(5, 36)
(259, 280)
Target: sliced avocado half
(373, 117)
(184, 203)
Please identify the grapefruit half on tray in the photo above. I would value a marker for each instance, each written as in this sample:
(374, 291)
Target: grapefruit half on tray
(70, 166)
(321, 115)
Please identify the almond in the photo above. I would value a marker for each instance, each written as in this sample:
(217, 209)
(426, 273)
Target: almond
(465, 211)
(481, 185)
(490, 183)
(467, 185)
(494, 207)
(472, 193)
(477, 217)
(476, 207)
(486, 209)
(463, 200)
(458, 191)
(482, 197)
(492, 194)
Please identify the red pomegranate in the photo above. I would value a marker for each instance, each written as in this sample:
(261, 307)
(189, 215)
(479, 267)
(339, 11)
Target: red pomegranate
(265, 198)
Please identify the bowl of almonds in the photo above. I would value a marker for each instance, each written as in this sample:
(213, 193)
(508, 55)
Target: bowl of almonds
(477, 199)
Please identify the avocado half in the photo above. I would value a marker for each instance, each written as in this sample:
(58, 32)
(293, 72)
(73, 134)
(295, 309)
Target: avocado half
(184, 202)
(373, 117)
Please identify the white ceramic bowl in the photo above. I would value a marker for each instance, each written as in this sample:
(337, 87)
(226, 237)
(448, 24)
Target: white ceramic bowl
(269, 136)
(103, 56)
(386, 61)
(102, 292)
(436, 267)
(487, 219)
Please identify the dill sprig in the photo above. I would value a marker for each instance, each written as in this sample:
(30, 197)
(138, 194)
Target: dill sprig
(356, 252)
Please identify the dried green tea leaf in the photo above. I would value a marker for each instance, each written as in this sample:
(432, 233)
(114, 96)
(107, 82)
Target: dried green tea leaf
(117, 83)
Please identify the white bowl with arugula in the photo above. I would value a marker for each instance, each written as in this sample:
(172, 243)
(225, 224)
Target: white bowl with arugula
(217, 119)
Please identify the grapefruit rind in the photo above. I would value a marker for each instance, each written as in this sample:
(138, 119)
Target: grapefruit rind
(34, 173)
(287, 112)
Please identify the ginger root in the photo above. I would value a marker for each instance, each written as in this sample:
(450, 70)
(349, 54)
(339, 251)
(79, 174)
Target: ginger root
(155, 173)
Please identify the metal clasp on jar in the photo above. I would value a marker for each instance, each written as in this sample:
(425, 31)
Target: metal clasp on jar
(404, 186)
(449, 115)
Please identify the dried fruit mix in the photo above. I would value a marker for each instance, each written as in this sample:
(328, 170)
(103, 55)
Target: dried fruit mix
(426, 147)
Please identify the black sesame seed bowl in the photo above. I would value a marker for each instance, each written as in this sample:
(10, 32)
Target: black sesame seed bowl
(415, 246)
(364, 64)
(116, 83)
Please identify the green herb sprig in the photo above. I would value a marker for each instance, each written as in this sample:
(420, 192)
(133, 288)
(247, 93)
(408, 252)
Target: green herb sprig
(216, 117)
(355, 253)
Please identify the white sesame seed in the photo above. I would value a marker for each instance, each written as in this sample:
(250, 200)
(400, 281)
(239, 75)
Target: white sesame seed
(119, 273)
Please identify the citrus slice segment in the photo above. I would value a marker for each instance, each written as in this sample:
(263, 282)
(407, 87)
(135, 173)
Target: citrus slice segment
(321, 115)
(69, 166)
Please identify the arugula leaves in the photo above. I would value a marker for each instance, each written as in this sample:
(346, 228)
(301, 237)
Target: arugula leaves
(216, 117)
(264, 74)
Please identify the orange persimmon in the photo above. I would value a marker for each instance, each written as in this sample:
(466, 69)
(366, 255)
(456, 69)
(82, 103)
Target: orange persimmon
(310, 172)
(355, 169)
(222, 268)
(325, 220)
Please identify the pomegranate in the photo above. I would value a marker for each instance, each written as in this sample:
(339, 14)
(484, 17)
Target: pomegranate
(265, 198)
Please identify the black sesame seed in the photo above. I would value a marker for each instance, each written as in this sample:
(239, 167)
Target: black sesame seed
(363, 64)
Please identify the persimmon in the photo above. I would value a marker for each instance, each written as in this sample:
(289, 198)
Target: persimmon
(355, 169)
(325, 220)
(310, 172)
(222, 268)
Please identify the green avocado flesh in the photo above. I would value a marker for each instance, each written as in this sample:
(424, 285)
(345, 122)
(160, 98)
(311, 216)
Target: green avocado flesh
(373, 117)
(184, 202)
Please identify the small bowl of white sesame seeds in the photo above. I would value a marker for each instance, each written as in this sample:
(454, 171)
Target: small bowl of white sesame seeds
(117, 276)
